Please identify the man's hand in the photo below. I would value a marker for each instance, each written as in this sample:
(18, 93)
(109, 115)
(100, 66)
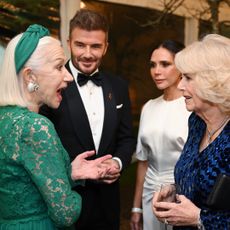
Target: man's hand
(113, 173)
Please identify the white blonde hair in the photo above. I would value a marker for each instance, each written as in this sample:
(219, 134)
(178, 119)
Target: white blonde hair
(11, 84)
(208, 61)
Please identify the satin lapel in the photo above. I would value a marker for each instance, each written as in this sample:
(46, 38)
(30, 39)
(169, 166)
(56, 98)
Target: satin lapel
(110, 117)
(78, 115)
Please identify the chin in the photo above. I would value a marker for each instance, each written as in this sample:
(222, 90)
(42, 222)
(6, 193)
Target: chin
(160, 87)
(189, 108)
(54, 105)
(88, 69)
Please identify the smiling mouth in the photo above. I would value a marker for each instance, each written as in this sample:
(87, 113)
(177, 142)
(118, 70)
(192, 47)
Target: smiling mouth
(87, 63)
(187, 97)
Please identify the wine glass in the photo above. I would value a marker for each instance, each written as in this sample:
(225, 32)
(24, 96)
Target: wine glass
(168, 193)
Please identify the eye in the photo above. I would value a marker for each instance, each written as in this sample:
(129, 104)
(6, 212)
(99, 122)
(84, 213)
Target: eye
(165, 63)
(152, 64)
(79, 44)
(96, 46)
(59, 67)
(186, 76)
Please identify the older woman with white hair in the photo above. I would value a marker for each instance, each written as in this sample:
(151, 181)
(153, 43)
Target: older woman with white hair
(205, 85)
(35, 170)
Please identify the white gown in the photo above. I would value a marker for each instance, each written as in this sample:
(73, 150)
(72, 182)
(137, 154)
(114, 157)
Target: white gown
(162, 133)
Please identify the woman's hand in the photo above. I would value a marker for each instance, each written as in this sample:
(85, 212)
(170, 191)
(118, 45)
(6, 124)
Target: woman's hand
(181, 213)
(89, 169)
(136, 221)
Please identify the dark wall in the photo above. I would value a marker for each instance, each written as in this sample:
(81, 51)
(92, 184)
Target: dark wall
(131, 41)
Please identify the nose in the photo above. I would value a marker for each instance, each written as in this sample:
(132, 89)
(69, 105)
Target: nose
(157, 69)
(67, 76)
(180, 86)
(88, 51)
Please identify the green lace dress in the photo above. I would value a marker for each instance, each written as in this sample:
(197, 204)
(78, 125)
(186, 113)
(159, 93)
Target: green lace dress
(35, 182)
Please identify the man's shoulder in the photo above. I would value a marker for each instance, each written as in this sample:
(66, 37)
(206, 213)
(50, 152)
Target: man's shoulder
(114, 78)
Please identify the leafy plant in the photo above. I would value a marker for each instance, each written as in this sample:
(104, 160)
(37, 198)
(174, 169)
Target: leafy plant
(17, 15)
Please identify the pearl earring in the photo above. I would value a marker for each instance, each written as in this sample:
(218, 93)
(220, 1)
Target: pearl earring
(32, 87)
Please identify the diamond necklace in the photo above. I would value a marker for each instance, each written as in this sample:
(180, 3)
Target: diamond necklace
(212, 132)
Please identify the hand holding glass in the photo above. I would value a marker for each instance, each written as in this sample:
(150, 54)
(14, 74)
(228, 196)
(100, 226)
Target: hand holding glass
(167, 193)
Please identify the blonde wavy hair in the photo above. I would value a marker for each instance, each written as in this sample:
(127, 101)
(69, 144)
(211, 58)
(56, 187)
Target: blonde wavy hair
(208, 61)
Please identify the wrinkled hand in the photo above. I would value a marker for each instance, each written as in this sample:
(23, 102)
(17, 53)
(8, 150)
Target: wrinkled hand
(182, 213)
(136, 221)
(167, 193)
(89, 169)
(113, 173)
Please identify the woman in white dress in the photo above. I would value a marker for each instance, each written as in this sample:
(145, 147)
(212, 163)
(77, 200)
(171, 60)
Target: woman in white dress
(162, 133)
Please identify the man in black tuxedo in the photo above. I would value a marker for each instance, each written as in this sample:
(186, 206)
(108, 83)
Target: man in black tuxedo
(95, 115)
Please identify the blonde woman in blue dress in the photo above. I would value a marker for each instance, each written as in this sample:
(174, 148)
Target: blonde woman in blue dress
(162, 133)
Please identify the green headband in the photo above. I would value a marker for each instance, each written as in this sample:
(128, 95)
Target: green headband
(28, 43)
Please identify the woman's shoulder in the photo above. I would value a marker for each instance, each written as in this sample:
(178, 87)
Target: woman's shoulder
(154, 101)
(34, 118)
(152, 106)
(196, 123)
(194, 118)
(28, 121)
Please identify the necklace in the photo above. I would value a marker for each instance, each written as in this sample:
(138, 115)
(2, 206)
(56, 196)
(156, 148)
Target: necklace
(212, 132)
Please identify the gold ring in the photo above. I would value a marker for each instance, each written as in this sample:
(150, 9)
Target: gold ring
(166, 222)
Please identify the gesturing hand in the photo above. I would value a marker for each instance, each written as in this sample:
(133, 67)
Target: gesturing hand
(113, 173)
(89, 169)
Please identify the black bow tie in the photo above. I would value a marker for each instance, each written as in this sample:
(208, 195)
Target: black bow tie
(82, 79)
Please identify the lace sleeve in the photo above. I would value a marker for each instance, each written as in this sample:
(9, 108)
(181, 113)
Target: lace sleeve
(47, 163)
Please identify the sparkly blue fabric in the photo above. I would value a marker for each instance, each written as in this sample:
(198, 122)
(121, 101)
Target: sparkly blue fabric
(196, 172)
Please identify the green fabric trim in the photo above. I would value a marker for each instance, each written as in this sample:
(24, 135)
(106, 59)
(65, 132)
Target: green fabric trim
(28, 43)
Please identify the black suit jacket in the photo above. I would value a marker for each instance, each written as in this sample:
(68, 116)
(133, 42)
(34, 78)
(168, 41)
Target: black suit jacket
(72, 125)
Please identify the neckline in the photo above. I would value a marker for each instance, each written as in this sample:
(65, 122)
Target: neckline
(213, 142)
(211, 133)
(171, 101)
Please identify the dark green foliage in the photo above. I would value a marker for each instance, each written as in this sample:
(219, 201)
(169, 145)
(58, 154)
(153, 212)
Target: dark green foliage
(17, 15)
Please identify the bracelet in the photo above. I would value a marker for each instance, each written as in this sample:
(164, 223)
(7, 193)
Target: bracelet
(200, 225)
(138, 210)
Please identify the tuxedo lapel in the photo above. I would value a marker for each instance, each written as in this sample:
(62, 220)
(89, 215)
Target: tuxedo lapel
(110, 116)
(78, 115)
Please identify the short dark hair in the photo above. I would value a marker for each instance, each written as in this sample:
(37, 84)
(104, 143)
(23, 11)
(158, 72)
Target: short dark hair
(171, 45)
(89, 20)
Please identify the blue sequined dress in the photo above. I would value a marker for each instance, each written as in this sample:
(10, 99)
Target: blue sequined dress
(196, 172)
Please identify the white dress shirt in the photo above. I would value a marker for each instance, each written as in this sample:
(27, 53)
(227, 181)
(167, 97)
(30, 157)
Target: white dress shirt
(91, 93)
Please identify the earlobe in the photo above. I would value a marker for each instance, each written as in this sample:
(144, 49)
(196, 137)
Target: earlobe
(32, 87)
(30, 80)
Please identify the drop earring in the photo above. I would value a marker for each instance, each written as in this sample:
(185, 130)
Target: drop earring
(32, 87)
